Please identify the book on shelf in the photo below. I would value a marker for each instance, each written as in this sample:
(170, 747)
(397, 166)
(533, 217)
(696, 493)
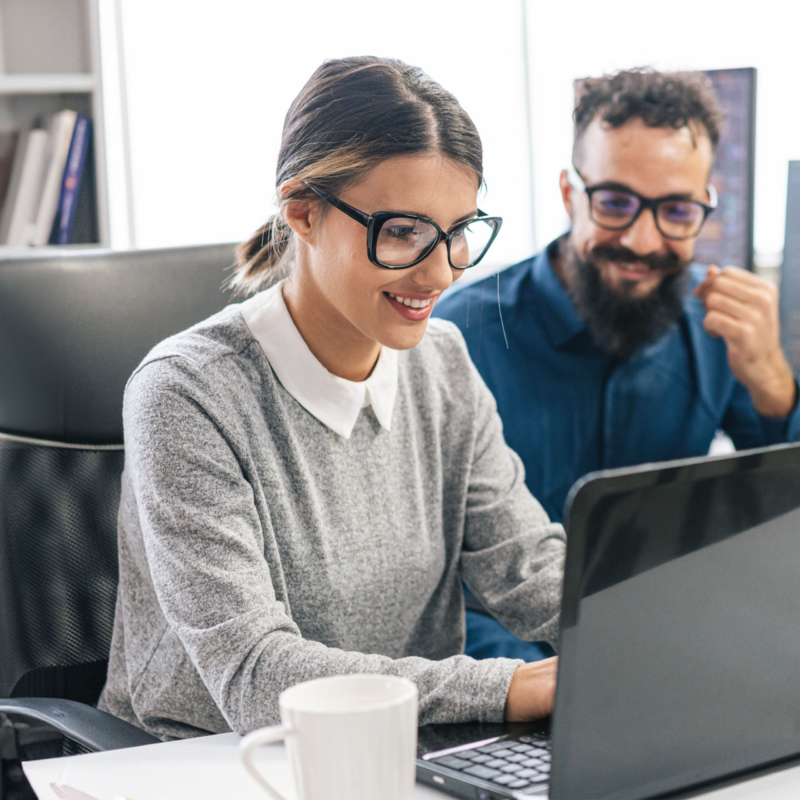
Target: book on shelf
(8, 145)
(75, 206)
(22, 224)
(12, 190)
(85, 228)
(14, 180)
(50, 197)
(59, 138)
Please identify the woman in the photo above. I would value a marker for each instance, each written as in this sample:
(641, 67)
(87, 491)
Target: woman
(307, 479)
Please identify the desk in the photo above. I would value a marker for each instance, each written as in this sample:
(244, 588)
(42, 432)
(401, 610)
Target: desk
(208, 769)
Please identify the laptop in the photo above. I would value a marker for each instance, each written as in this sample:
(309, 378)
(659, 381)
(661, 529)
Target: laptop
(679, 663)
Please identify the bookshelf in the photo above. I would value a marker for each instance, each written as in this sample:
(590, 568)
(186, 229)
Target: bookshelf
(49, 61)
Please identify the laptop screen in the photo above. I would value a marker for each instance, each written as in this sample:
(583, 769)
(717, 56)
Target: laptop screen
(680, 648)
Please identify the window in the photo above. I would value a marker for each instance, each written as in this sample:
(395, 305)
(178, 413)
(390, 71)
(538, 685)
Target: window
(208, 85)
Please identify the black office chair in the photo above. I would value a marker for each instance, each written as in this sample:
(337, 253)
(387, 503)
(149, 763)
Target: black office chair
(72, 329)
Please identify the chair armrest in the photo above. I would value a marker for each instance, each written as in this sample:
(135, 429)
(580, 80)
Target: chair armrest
(94, 729)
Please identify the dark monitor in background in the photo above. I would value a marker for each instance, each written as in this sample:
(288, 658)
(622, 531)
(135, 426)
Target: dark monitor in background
(727, 237)
(790, 271)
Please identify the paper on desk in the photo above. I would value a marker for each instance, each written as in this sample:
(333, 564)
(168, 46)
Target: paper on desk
(41, 773)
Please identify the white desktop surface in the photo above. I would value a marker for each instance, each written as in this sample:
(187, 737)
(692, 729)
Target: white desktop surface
(208, 769)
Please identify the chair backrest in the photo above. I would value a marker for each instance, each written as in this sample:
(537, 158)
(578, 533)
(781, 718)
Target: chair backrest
(73, 327)
(58, 563)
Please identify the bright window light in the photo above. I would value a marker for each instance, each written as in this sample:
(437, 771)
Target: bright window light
(209, 84)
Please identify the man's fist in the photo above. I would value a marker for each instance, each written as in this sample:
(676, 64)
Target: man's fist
(743, 309)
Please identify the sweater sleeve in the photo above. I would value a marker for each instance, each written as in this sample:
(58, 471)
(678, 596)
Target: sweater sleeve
(216, 570)
(513, 556)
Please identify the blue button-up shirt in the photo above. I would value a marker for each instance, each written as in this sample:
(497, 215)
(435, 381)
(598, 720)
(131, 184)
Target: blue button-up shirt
(569, 408)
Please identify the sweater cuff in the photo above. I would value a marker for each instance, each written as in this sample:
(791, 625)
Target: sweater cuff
(493, 687)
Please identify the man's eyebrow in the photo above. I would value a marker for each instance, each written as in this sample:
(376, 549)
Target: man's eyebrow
(625, 188)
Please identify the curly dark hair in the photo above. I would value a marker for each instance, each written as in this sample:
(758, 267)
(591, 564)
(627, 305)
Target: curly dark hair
(659, 99)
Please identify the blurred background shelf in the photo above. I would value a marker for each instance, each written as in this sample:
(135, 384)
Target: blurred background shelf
(50, 61)
(48, 84)
(12, 252)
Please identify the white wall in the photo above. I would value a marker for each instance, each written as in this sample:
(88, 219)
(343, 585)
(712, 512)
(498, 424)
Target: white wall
(209, 83)
(582, 37)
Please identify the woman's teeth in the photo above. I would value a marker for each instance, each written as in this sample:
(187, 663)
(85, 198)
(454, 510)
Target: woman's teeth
(407, 301)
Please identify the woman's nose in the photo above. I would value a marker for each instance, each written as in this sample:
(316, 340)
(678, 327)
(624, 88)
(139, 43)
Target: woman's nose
(434, 271)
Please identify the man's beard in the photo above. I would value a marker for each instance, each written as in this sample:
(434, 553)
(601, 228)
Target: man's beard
(620, 323)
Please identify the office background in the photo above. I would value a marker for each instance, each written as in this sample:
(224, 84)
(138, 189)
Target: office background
(195, 93)
(196, 90)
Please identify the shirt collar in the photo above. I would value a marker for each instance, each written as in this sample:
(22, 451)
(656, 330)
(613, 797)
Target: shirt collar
(561, 320)
(334, 401)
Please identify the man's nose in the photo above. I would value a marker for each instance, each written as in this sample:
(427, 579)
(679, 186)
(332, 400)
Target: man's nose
(643, 236)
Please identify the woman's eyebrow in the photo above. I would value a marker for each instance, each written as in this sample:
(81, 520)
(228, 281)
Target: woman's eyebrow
(465, 217)
(461, 219)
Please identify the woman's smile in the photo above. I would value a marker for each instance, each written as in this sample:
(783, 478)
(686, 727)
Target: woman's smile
(414, 307)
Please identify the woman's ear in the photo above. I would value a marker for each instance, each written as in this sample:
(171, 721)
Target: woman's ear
(300, 213)
(298, 217)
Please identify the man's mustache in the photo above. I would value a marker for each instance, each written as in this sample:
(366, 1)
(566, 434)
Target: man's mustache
(653, 261)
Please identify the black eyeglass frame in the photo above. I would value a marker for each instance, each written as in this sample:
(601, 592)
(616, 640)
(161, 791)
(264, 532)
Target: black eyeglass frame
(651, 203)
(374, 222)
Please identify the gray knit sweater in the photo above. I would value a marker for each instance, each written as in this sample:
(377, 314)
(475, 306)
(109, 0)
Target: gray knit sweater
(259, 549)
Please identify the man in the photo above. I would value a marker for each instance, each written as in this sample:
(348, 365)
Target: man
(620, 351)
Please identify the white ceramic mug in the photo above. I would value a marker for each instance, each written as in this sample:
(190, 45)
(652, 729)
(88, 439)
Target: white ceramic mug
(349, 737)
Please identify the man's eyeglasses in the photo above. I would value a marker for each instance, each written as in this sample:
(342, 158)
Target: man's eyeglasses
(397, 241)
(615, 207)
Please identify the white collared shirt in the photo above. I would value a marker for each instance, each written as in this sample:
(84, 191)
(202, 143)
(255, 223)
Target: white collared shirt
(334, 401)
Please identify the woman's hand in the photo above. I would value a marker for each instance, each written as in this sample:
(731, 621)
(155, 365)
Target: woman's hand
(532, 690)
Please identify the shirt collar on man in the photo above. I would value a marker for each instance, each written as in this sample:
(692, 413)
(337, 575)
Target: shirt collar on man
(561, 321)
(334, 401)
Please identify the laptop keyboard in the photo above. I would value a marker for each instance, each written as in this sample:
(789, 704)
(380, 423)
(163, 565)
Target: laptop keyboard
(515, 764)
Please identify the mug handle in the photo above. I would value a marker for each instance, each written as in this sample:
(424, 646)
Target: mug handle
(252, 742)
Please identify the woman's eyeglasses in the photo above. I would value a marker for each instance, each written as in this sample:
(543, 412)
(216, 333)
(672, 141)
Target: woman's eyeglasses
(616, 207)
(397, 241)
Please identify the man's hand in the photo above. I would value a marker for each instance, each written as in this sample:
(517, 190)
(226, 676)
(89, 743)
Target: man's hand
(743, 309)
(532, 691)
